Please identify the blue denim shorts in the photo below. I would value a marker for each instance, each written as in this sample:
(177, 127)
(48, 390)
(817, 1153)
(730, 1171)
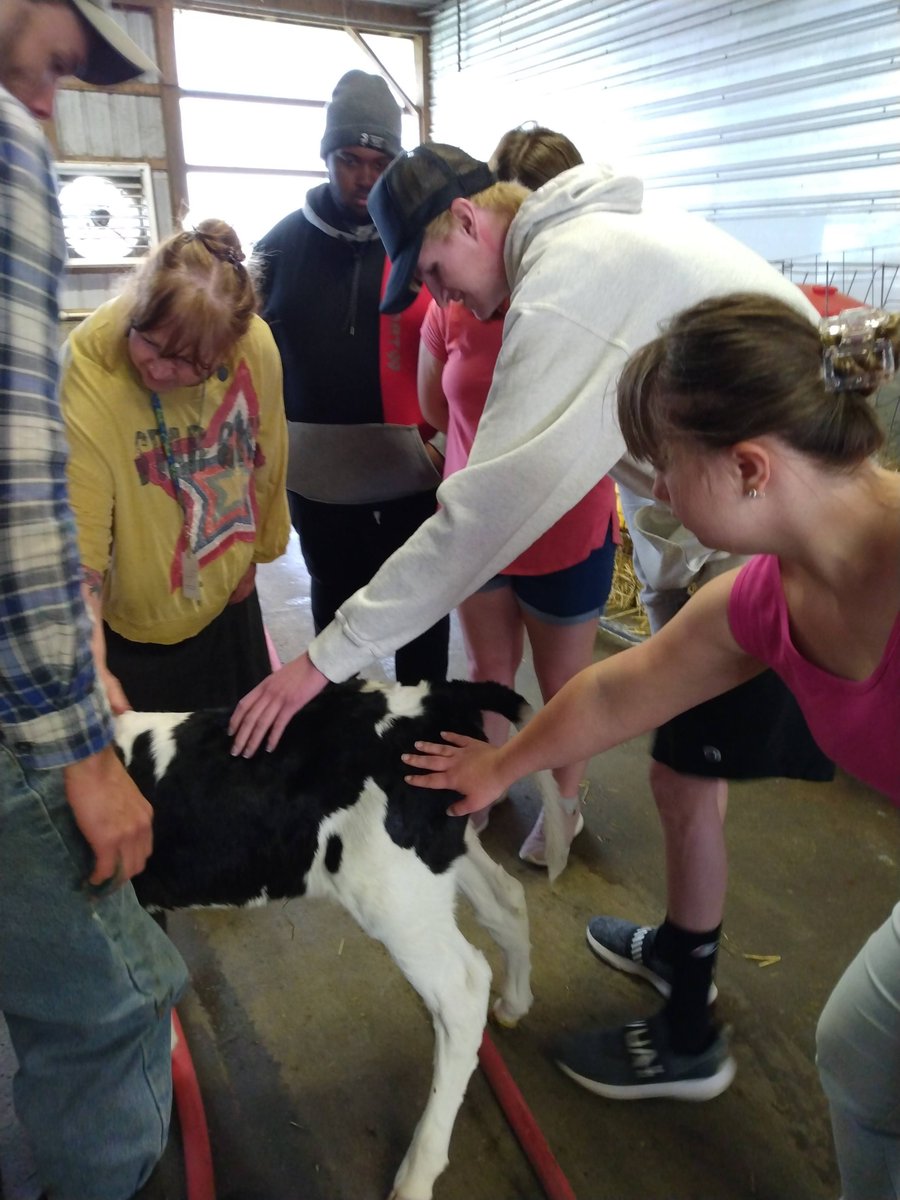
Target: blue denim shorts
(565, 597)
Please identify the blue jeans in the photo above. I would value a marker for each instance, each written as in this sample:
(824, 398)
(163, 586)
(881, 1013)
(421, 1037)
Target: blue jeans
(858, 1056)
(87, 987)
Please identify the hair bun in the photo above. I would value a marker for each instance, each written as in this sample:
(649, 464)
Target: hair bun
(220, 240)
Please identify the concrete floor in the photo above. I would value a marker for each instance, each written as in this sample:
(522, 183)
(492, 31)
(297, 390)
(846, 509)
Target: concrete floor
(314, 1056)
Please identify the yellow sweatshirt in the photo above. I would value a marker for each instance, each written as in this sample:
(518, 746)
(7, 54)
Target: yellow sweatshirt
(229, 441)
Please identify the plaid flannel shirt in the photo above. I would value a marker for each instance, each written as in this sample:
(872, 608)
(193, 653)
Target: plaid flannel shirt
(52, 711)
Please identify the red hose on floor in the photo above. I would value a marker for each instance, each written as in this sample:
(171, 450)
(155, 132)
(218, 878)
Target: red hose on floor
(198, 1168)
(524, 1126)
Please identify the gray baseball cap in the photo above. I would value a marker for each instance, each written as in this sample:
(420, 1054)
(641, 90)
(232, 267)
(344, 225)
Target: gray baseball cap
(113, 57)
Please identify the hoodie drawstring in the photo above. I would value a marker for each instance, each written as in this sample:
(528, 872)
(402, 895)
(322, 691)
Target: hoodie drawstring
(354, 290)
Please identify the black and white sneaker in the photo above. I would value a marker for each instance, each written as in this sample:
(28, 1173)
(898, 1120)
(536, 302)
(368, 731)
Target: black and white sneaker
(630, 948)
(635, 1062)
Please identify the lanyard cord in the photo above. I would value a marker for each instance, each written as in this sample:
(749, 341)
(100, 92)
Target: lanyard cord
(163, 431)
(190, 583)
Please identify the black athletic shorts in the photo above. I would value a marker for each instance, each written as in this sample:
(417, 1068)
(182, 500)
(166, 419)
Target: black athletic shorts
(755, 731)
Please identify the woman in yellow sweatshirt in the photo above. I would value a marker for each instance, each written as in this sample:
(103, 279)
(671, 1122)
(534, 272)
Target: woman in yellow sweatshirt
(172, 398)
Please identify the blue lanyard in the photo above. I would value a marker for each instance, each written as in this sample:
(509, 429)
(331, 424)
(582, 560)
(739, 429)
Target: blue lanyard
(190, 581)
(163, 431)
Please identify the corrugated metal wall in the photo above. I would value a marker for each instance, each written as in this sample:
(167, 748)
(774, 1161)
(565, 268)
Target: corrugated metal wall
(779, 119)
(113, 126)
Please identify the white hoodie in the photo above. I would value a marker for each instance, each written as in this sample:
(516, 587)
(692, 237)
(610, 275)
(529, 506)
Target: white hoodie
(592, 276)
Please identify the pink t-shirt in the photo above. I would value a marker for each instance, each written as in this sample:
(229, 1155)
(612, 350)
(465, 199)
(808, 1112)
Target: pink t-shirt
(855, 723)
(468, 348)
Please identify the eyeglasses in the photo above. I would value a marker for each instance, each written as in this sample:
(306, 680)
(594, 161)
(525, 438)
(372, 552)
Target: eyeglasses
(179, 361)
(353, 162)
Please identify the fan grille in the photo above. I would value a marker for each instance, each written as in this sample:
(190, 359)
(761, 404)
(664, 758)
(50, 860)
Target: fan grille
(107, 212)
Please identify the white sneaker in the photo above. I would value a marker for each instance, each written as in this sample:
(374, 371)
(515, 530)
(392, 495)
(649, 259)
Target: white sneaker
(534, 849)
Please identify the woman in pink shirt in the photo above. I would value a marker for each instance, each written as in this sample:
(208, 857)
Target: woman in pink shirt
(764, 443)
(557, 589)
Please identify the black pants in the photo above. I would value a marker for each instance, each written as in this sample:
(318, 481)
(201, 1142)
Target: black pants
(344, 545)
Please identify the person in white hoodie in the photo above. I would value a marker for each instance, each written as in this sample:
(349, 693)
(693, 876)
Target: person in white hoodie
(590, 275)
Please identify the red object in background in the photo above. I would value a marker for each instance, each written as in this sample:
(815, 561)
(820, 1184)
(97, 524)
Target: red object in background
(828, 300)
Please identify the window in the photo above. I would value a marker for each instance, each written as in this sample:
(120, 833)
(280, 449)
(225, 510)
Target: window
(253, 93)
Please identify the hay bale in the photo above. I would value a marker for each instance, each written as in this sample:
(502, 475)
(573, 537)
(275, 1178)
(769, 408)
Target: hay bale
(624, 616)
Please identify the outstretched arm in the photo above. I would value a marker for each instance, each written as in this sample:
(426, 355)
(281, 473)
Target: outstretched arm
(263, 714)
(544, 441)
(691, 659)
(429, 381)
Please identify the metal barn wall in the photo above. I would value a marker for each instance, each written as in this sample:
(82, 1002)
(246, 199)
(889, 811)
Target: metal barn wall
(113, 126)
(778, 119)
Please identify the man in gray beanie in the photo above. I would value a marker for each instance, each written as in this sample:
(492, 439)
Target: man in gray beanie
(362, 472)
(362, 112)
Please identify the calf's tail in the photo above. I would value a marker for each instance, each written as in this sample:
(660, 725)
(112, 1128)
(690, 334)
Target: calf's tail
(494, 697)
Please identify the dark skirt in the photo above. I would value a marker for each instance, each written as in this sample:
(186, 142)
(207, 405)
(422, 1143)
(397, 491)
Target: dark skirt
(213, 669)
(755, 731)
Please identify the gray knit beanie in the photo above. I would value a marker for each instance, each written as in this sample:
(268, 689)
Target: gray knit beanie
(362, 112)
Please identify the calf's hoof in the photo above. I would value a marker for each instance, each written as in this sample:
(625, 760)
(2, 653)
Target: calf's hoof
(501, 1015)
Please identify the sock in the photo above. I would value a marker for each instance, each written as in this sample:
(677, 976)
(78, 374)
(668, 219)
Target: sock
(569, 805)
(693, 959)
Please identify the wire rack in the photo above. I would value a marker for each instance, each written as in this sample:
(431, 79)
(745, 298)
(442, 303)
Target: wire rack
(870, 277)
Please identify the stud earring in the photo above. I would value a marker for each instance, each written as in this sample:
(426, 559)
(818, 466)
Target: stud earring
(752, 494)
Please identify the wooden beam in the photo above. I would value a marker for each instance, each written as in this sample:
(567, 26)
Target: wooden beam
(135, 87)
(154, 163)
(363, 14)
(257, 99)
(289, 172)
(164, 26)
(359, 40)
(423, 73)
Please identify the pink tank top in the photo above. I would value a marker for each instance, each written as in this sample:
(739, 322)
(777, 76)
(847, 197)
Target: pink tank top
(856, 723)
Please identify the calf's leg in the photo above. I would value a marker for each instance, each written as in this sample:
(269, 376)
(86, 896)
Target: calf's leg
(498, 901)
(454, 980)
(414, 919)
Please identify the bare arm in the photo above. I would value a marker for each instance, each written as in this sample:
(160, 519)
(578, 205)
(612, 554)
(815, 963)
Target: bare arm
(92, 590)
(245, 586)
(432, 400)
(691, 659)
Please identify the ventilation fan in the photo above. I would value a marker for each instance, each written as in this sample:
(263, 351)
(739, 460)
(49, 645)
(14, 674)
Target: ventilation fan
(107, 211)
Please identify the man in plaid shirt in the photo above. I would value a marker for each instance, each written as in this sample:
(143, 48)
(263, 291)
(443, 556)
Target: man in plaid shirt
(87, 979)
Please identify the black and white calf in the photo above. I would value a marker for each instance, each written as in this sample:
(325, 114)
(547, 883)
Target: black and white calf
(328, 814)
